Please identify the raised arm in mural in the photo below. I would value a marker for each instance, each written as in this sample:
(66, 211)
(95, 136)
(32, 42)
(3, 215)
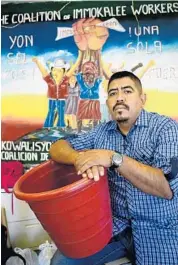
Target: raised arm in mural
(89, 36)
(107, 71)
(74, 67)
(56, 67)
(90, 39)
(57, 80)
(145, 68)
(40, 66)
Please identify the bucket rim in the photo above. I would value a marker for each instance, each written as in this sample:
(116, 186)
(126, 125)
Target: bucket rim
(69, 189)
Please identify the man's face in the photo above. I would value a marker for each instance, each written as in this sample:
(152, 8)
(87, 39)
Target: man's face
(124, 101)
(89, 77)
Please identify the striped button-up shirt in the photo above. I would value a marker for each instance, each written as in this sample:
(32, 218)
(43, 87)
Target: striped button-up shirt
(153, 140)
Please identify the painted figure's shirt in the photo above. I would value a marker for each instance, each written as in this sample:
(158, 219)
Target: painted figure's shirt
(57, 91)
(87, 92)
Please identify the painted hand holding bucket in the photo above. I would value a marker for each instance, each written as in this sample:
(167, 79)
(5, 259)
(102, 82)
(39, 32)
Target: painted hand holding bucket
(75, 212)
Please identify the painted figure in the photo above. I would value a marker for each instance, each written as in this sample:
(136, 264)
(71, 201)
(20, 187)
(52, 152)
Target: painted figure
(72, 101)
(90, 38)
(57, 81)
(89, 104)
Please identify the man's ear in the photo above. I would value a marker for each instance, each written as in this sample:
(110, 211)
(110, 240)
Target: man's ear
(143, 98)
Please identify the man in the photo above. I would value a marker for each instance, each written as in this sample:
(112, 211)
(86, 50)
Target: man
(140, 150)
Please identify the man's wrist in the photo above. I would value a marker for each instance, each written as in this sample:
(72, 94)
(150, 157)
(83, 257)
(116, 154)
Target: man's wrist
(116, 160)
(74, 155)
(111, 153)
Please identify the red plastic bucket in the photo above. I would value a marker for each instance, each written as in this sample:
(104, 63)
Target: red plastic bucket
(74, 211)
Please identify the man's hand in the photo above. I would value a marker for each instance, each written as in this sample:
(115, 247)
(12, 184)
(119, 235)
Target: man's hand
(88, 35)
(91, 163)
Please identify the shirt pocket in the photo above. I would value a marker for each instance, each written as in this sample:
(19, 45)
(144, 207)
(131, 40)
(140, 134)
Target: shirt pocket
(144, 152)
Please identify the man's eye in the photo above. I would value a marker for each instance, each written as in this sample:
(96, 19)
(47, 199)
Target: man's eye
(112, 94)
(127, 91)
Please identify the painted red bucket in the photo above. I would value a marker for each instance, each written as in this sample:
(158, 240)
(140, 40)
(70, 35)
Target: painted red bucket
(74, 211)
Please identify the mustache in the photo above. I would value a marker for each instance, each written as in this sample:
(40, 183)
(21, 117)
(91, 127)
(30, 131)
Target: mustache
(121, 104)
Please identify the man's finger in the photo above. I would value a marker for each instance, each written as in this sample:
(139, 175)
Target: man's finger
(87, 164)
(101, 170)
(89, 173)
(83, 163)
(95, 172)
(80, 161)
(84, 175)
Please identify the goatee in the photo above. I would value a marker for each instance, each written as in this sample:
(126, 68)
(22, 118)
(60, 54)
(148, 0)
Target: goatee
(122, 120)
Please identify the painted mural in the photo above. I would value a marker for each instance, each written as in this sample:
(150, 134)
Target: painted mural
(56, 65)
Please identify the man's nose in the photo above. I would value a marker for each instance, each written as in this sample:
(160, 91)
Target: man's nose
(120, 96)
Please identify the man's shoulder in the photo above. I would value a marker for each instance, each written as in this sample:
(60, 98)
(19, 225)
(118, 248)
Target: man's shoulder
(161, 121)
(106, 126)
(103, 128)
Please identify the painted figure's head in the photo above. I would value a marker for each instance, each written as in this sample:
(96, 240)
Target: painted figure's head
(58, 70)
(125, 97)
(89, 73)
(57, 73)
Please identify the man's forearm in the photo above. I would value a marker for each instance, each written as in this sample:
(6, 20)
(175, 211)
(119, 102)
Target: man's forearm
(63, 153)
(146, 178)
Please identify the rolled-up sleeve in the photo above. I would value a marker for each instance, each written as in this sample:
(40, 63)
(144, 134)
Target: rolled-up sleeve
(166, 152)
(83, 141)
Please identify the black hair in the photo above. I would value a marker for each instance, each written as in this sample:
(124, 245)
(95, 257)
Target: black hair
(122, 74)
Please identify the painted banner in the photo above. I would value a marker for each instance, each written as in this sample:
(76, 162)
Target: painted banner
(57, 59)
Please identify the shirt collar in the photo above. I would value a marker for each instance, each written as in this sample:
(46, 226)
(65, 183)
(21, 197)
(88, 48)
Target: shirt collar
(112, 125)
(142, 120)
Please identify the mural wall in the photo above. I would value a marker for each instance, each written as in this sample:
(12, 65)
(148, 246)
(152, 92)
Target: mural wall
(57, 58)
